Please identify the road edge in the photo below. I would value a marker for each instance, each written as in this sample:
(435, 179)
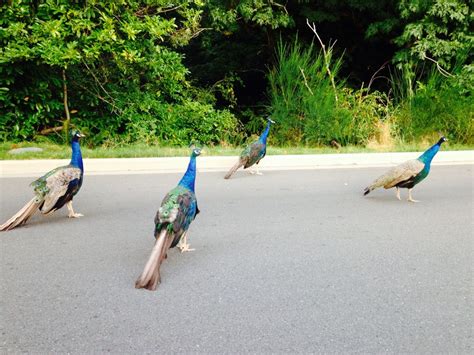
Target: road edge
(127, 166)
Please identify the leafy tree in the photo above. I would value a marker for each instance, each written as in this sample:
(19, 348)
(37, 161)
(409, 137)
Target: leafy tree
(107, 52)
(441, 29)
(131, 70)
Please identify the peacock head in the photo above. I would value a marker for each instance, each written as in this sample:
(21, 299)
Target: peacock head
(442, 140)
(269, 119)
(76, 135)
(196, 149)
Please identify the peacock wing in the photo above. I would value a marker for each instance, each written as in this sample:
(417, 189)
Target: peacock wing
(39, 185)
(168, 210)
(177, 211)
(54, 185)
(187, 211)
(176, 207)
(399, 173)
(245, 156)
(255, 153)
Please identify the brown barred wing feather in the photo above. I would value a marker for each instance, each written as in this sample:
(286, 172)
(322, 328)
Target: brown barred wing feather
(57, 185)
(396, 175)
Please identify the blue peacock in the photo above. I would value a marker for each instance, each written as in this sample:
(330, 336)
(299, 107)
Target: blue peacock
(178, 209)
(54, 189)
(253, 153)
(407, 174)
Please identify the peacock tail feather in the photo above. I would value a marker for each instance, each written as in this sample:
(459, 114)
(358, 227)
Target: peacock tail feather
(178, 209)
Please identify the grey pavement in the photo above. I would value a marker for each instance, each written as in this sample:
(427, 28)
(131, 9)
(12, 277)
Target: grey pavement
(292, 261)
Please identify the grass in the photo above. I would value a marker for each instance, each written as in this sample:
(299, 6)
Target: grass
(54, 151)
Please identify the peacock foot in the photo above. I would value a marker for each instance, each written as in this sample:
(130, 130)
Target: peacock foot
(185, 247)
(72, 214)
(410, 199)
(183, 244)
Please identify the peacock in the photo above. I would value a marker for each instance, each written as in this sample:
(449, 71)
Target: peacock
(253, 153)
(407, 174)
(54, 189)
(178, 209)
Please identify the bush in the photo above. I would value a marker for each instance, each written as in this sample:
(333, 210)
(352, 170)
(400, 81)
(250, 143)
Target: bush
(195, 122)
(124, 75)
(148, 120)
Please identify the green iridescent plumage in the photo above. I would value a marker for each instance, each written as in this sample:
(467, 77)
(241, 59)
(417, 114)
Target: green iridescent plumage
(253, 153)
(178, 209)
(407, 174)
(54, 189)
(57, 187)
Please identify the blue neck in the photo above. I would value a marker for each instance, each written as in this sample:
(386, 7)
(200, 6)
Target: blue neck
(76, 159)
(263, 137)
(428, 156)
(190, 175)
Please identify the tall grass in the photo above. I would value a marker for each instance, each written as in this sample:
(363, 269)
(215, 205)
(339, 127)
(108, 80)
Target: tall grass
(438, 104)
(422, 103)
(308, 108)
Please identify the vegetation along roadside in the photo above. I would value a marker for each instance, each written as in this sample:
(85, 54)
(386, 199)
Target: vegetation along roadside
(135, 74)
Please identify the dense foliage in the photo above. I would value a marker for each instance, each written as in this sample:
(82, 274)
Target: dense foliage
(174, 72)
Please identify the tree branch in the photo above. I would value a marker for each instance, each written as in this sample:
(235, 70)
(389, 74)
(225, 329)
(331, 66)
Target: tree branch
(66, 107)
(306, 82)
(326, 56)
(441, 70)
(112, 103)
(279, 5)
(374, 76)
(114, 108)
(46, 131)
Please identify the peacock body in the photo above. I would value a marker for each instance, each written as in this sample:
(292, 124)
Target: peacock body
(253, 153)
(407, 174)
(178, 209)
(54, 189)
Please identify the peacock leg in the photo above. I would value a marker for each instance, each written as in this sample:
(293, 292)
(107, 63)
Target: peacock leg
(398, 193)
(410, 198)
(183, 243)
(258, 172)
(251, 171)
(71, 211)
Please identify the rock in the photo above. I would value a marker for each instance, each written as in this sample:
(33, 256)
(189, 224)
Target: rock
(25, 150)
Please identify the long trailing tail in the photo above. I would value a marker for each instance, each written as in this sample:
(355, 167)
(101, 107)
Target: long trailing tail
(150, 276)
(234, 169)
(21, 216)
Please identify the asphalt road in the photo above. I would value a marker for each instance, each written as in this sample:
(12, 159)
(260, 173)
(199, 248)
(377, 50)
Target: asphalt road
(292, 261)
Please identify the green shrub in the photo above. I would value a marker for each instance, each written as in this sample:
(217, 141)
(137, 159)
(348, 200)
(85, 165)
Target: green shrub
(148, 120)
(125, 77)
(195, 122)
